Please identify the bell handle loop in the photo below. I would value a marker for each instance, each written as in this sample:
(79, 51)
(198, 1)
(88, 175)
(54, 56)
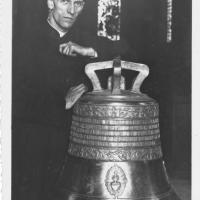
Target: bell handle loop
(143, 73)
(90, 71)
(116, 80)
(92, 67)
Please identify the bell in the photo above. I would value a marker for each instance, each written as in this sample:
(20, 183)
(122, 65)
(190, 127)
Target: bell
(115, 149)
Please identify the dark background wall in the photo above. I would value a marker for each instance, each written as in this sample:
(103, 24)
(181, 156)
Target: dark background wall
(143, 25)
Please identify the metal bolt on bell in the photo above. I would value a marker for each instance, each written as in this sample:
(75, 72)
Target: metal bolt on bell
(115, 149)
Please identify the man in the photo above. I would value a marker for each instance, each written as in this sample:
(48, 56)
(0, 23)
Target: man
(49, 68)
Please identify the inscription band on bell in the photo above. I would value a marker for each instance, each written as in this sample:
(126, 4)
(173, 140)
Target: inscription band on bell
(120, 154)
(92, 110)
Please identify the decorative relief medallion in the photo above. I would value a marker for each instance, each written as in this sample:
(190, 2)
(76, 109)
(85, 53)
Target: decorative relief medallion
(122, 111)
(118, 154)
(115, 181)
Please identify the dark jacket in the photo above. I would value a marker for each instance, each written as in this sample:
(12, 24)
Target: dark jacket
(42, 76)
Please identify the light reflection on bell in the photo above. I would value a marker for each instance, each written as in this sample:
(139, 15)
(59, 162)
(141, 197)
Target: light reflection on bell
(115, 150)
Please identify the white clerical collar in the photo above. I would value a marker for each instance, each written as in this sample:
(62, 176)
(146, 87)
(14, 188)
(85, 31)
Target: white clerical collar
(61, 33)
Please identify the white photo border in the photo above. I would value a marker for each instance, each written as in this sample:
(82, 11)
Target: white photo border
(6, 74)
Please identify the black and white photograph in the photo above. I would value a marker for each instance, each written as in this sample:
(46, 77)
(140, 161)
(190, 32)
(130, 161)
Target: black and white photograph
(100, 100)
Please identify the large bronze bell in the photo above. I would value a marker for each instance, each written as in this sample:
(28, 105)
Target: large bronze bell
(115, 149)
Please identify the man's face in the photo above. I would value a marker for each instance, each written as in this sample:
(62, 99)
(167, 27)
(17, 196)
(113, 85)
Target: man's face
(65, 12)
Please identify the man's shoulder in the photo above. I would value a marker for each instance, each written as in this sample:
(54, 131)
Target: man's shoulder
(42, 29)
